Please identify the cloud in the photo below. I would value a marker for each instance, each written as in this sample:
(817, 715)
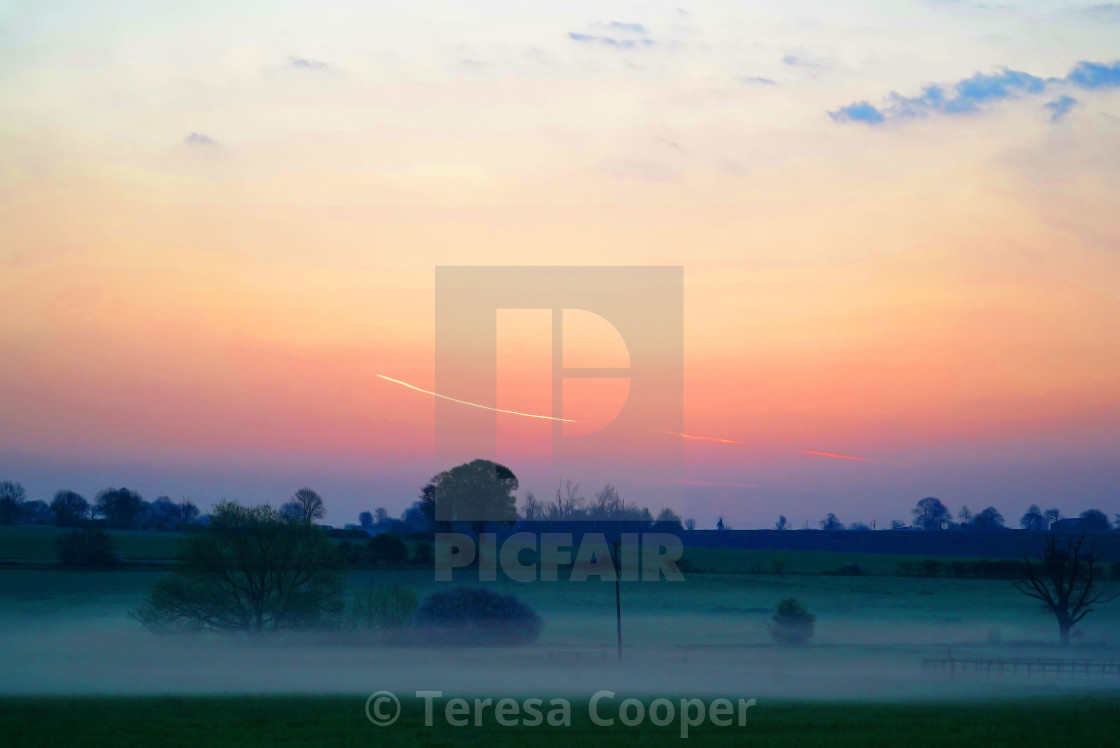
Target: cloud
(1094, 75)
(197, 138)
(611, 41)
(307, 64)
(860, 111)
(973, 94)
(756, 80)
(1060, 107)
(802, 61)
(1108, 11)
(633, 28)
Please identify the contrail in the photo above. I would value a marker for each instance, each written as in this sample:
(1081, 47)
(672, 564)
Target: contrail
(475, 405)
(837, 457)
(703, 438)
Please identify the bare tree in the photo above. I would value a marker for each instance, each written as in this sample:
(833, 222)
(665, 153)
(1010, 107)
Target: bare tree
(532, 509)
(12, 498)
(305, 505)
(569, 503)
(1066, 579)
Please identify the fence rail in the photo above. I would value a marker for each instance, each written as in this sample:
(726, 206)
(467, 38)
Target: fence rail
(1027, 666)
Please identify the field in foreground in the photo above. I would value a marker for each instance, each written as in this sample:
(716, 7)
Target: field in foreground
(339, 720)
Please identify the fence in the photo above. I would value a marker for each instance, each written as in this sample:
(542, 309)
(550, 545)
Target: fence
(1035, 666)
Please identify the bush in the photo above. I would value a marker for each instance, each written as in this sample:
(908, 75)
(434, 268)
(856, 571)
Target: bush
(353, 555)
(792, 624)
(422, 554)
(380, 608)
(86, 548)
(466, 616)
(388, 548)
(931, 567)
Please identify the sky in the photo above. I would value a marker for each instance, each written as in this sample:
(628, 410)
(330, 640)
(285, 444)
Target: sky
(898, 224)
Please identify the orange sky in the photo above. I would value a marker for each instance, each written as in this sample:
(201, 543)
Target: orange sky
(936, 293)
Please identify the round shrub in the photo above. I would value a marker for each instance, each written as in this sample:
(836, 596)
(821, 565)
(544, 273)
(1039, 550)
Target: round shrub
(792, 624)
(86, 548)
(468, 616)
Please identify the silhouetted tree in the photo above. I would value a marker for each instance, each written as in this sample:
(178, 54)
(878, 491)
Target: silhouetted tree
(365, 519)
(831, 522)
(569, 503)
(417, 518)
(931, 514)
(1052, 516)
(36, 513)
(306, 505)
(667, 521)
(1033, 519)
(388, 548)
(532, 509)
(964, 516)
(1093, 520)
(427, 505)
(251, 571)
(162, 514)
(690, 524)
(188, 512)
(1065, 577)
(988, 519)
(12, 496)
(120, 507)
(476, 492)
(859, 526)
(898, 524)
(86, 548)
(719, 523)
(782, 523)
(381, 515)
(69, 508)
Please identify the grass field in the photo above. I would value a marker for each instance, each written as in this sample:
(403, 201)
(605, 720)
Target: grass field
(37, 544)
(74, 669)
(340, 721)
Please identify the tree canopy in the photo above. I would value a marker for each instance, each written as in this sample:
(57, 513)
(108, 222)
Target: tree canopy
(251, 571)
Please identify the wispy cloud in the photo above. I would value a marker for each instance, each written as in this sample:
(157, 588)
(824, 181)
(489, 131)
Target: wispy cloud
(617, 34)
(611, 41)
(979, 92)
(307, 64)
(1060, 107)
(198, 139)
(756, 80)
(633, 28)
(807, 62)
(1108, 11)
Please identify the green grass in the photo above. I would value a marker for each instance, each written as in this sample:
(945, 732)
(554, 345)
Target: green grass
(37, 543)
(340, 721)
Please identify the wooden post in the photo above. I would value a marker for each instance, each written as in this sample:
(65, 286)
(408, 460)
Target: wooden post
(618, 595)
